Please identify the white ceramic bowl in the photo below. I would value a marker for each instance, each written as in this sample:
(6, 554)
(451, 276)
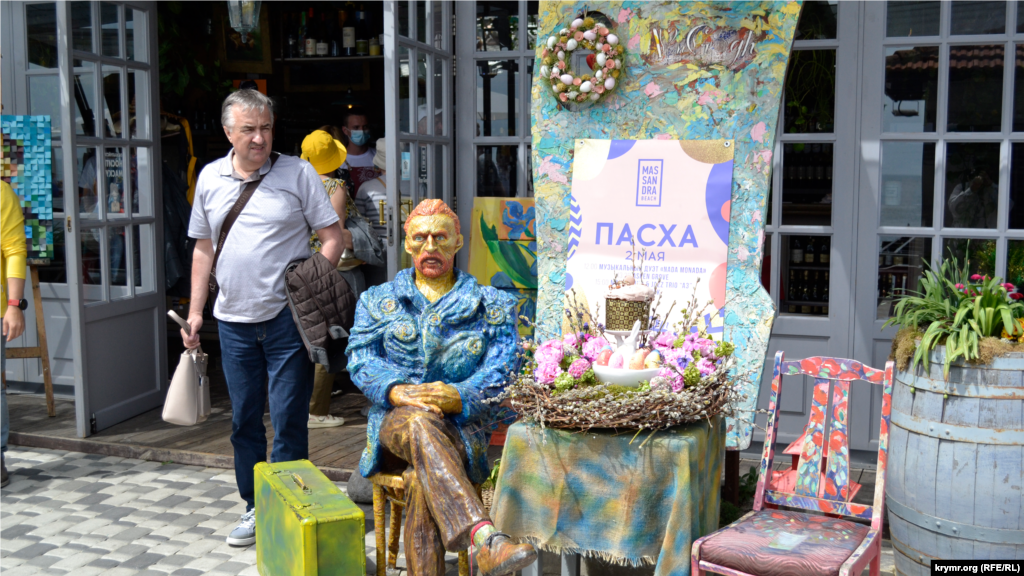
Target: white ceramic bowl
(624, 376)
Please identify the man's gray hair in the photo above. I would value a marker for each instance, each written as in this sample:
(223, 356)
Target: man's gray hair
(246, 100)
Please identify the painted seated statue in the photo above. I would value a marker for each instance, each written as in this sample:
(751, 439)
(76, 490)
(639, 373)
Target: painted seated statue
(428, 349)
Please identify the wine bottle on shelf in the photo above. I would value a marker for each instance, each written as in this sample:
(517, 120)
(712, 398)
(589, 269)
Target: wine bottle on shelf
(794, 291)
(796, 250)
(362, 32)
(300, 49)
(310, 47)
(292, 36)
(809, 251)
(321, 39)
(805, 294)
(824, 252)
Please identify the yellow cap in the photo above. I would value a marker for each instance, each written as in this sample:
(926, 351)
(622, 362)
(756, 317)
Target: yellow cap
(324, 152)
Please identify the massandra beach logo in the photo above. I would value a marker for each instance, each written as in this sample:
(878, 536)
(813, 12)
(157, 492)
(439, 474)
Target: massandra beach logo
(703, 46)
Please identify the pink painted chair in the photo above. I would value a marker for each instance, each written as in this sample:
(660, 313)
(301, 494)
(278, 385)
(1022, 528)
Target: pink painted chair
(772, 542)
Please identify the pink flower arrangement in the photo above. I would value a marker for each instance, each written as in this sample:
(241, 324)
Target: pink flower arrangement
(578, 36)
(705, 366)
(549, 352)
(570, 341)
(674, 378)
(664, 341)
(561, 65)
(563, 97)
(577, 81)
(599, 89)
(579, 367)
(546, 372)
(593, 347)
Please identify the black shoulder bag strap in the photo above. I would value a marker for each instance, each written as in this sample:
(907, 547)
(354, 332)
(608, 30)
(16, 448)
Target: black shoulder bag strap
(243, 199)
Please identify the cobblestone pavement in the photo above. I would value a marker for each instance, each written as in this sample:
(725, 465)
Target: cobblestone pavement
(84, 514)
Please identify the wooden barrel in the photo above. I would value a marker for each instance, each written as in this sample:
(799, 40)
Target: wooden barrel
(953, 488)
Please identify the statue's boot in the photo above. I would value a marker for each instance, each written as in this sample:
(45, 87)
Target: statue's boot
(500, 556)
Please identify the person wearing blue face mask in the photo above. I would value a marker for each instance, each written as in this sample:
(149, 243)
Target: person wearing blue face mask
(359, 163)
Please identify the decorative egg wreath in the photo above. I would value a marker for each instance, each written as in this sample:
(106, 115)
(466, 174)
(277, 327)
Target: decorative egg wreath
(605, 62)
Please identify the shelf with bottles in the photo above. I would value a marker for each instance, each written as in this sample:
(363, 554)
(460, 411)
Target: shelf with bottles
(808, 251)
(312, 33)
(315, 60)
(901, 264)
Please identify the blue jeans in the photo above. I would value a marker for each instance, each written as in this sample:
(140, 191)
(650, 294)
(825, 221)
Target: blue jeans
(5, 420)
(249, 353)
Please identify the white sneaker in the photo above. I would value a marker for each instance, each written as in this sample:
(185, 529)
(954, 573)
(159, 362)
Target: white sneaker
(245, 533)
(325, 421)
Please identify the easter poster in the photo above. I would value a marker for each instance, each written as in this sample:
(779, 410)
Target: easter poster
(662, 203)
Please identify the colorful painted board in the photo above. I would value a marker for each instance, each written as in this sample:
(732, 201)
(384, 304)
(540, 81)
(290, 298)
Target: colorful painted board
(655, 209)
(26, 165)
(503, 251)
(774, 542)
(693, 71)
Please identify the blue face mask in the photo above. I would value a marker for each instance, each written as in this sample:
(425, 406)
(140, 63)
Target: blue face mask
(360, 137)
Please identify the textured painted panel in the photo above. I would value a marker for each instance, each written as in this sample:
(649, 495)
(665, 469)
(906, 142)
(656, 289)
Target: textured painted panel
(25, 164)
(661, 95)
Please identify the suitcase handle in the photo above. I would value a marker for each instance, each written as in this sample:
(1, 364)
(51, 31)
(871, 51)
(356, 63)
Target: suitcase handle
(300, 483)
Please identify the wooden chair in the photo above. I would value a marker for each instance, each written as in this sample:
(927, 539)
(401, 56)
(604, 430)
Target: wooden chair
(391, 488)
(783, 542)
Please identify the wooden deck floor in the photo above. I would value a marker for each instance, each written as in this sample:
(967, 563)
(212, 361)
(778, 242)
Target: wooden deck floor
(147, 436)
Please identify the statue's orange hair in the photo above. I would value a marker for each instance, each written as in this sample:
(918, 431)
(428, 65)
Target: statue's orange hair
(431, 207)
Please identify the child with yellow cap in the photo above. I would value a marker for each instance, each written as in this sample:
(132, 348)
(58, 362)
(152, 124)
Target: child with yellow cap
(327, 155)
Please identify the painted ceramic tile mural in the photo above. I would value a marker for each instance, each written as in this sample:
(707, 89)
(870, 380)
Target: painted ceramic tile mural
(503, 251)
(26, 166)
(693, 71)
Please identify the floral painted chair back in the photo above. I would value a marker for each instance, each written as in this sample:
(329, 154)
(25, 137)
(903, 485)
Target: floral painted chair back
(826, 491)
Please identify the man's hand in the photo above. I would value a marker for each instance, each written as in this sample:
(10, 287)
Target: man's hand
(14, 323)
(195, 322)
(436, 397)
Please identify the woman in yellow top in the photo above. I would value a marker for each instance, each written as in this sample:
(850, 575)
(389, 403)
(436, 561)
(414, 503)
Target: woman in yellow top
(327, 155)
(12, 289)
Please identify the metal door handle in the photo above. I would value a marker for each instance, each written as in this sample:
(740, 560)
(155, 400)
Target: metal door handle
(406, 208)
(380, 204)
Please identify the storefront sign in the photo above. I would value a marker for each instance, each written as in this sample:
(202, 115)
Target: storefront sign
(663, 203)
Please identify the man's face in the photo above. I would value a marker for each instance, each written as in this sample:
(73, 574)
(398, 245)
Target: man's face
(252, 135)
(432, 242)
(354, 123)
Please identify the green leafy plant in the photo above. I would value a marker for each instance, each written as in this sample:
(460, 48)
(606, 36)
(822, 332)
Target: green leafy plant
(729, 512)
(492, 479)
(181, 64)
(957, 309)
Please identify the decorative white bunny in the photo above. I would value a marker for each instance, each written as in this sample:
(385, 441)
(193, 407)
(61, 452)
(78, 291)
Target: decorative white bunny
(628, 346)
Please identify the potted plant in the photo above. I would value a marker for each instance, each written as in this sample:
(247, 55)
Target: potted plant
(957, 404)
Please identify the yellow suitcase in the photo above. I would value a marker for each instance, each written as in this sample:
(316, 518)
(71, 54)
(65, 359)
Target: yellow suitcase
(305, 525)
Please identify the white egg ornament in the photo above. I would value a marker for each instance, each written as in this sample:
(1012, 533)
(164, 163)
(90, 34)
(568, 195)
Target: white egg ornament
(618, 63)
(544, 71)
(599, 74)
(594, 97)
(571, 44)
(609, 83)
(586, 87)
(561, 55)
(566, 78)
(601, 59)
(552, 41)
(613, 39)
(590, 35)
(598, 46)
(576, 23)
(564, 32)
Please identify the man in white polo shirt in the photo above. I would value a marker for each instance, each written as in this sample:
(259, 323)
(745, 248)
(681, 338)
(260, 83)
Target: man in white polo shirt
(258, 337)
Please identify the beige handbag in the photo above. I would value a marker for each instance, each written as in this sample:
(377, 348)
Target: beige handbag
(188, 397)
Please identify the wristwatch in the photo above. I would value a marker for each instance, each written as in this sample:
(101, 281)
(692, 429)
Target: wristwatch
(20, 304)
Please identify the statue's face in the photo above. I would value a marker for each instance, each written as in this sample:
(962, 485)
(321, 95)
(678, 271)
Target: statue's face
(432, 241)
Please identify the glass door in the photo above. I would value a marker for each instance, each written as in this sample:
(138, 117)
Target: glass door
(418, 92)
(108, 102)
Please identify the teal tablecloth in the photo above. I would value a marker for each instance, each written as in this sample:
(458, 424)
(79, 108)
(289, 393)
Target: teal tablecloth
(598, 495)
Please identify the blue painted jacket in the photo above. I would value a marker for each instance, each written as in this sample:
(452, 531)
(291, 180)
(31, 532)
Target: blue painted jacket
(468, 339)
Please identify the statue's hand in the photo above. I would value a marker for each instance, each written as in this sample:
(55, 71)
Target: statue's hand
(406, 395)
(437, 397)
(442, 395)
